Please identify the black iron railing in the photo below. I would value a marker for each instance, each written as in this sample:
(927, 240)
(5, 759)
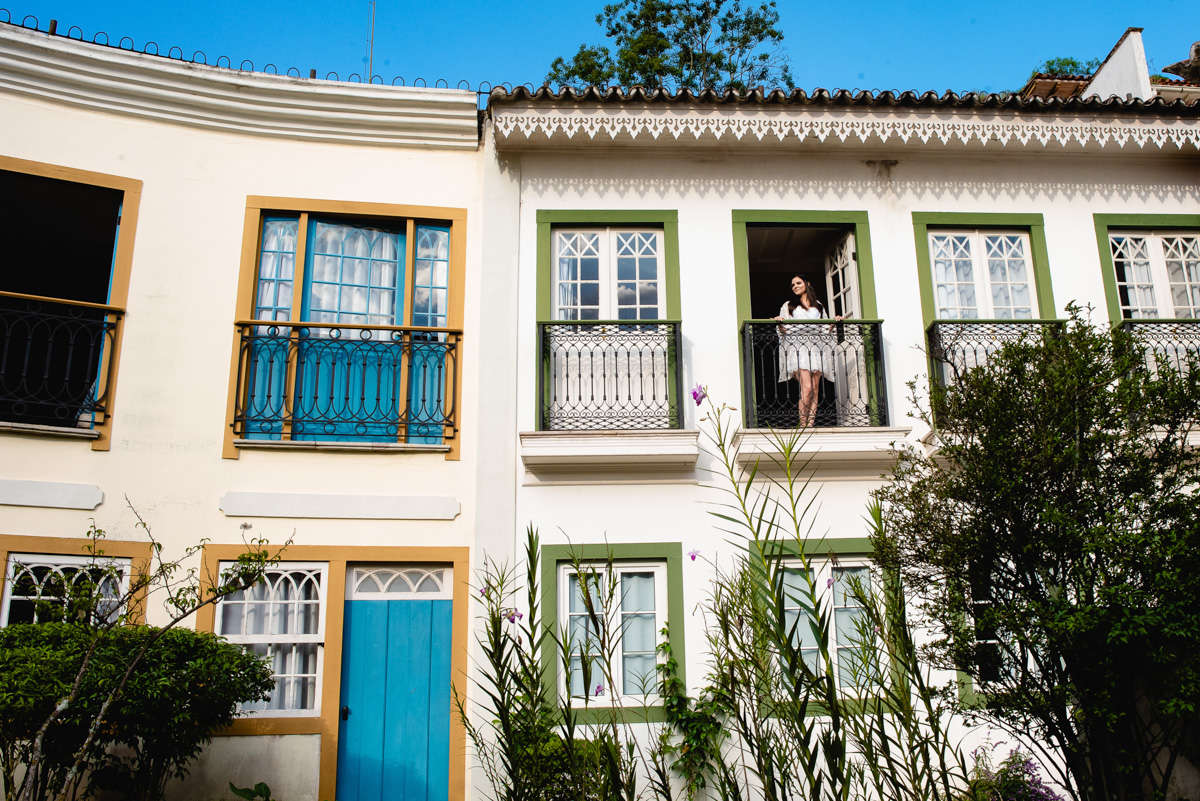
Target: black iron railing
(1167, 343)
(956, 346)
(852, 391)
(330, 382)
(609, 375)
(56, 360)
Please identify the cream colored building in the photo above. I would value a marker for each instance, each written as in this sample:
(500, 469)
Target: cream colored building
(161, 205)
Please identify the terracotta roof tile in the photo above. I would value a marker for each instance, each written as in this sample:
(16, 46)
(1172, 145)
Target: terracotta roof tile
(841, 98)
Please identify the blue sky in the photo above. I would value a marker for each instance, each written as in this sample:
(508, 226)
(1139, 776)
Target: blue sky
(871, 44)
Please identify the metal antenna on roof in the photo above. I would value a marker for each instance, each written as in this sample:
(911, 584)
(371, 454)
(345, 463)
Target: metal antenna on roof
(370, 39)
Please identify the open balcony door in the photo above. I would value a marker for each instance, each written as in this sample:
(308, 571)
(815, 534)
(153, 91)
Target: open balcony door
(841, 288)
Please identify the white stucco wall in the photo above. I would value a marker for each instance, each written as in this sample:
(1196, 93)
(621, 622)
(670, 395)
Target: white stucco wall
(1124, 73)
(704, 188)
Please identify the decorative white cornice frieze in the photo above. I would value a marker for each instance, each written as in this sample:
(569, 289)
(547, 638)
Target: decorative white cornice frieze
(108, 79)
(799, 125)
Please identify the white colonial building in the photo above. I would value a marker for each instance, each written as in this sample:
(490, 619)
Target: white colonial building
(399, 330)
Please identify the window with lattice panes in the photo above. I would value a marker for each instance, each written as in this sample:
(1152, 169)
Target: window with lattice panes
(282, 618)
(631, 616)
(1157, 273)
(40, 588)
(343, 366)
(982, 274)
(834, 586)
(608, 274)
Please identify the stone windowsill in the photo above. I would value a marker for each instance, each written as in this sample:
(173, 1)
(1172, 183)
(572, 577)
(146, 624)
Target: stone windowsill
(64, 432)
(355, 447)
(830, 452)
(577, 450)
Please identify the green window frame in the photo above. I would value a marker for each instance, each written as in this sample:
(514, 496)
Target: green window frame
(857, 551)
(862, 243)
(548, 219)
(1033, 224)
(1104, 223)
(866, 276)
(554, 557)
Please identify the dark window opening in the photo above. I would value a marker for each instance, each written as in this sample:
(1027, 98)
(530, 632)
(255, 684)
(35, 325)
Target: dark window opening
(61, 245)
(825, 256)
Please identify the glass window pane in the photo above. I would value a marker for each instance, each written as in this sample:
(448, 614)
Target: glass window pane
(637, 633)
(626, 294)
(589, 269)
(843, 584)
(638, 674)
(637, 592)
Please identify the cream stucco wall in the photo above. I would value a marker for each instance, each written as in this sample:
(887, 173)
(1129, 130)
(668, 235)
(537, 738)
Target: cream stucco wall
(170, 405)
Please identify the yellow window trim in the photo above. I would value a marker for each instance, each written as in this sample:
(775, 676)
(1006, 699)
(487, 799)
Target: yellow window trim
(137, 552)
(118, 295)
(327, 724)
(257, 205)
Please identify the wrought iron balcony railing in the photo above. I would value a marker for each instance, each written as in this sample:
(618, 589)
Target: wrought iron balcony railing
(56, 360)
(609, 375)
(332, 382)
(956, 346)
(848, 353)
(1167, 343)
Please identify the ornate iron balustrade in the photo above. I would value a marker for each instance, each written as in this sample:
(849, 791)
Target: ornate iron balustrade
(956, 346)
(609, 375)
(849, 354)
(56, 360)
(333, 382)
(1167, 343)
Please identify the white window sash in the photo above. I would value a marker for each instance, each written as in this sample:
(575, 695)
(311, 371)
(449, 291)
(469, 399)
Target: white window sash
(607, 273)
(58, 561)
(1160, 278)
(980, 274)
(317, 638)
(614, 695)
(822, 574)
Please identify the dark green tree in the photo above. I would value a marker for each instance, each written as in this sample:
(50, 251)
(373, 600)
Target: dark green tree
(723, 44)
(1053, 543)
(189, 684)
(1064, 65)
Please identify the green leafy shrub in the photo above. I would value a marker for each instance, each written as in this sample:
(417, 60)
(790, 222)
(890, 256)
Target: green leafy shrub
(188, 685)
(1017, 778)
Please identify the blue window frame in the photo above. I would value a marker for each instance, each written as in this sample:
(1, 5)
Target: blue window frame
(355, 361)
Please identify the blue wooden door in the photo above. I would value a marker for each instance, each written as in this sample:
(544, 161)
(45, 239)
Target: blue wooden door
(348, 379)
(394, 738)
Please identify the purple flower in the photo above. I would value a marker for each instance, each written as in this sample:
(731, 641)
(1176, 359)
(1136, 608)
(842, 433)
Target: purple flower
(829, 582)
(483, 592)
(699, 393)
(692, 554)
(599, 689)
(514, 615)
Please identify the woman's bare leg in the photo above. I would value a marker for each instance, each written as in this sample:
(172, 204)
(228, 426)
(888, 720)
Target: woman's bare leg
(814, 388)
(808, 396)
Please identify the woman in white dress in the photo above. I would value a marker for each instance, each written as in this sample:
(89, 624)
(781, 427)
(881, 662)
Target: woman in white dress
(801, 355)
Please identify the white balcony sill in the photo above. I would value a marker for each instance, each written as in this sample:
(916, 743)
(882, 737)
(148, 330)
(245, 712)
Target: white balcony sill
(828, 452)
(669, 450)
(357, 447)
(65, 432)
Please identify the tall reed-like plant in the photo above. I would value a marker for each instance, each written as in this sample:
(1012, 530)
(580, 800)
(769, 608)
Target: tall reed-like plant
(783, 714)
(792, 726)
(528, 737)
